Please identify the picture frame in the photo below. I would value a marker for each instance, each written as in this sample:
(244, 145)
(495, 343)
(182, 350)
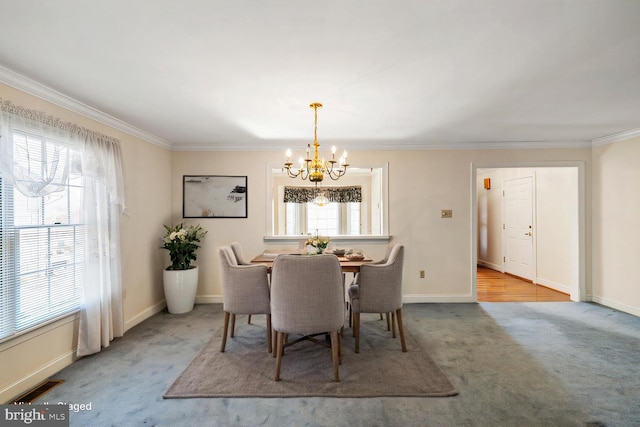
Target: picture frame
(214, 196)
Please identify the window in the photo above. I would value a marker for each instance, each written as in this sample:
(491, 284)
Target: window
(332, 219)
(368, 218)
(42, 241)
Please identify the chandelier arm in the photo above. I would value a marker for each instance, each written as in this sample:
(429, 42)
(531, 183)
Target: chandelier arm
(291, 174)
(336, 175)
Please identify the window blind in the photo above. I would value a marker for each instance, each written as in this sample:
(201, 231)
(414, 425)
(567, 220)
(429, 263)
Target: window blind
(42, 238)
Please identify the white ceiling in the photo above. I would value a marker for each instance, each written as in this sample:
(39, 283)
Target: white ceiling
(219, 74)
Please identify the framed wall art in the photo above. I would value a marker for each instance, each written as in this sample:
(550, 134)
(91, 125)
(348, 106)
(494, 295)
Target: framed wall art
(214, 196)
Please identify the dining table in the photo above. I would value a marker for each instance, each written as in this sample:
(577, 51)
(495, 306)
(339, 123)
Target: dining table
(349, 265)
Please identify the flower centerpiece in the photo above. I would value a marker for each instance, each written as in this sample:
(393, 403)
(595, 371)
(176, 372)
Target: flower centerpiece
(316, 244)
(182, 242)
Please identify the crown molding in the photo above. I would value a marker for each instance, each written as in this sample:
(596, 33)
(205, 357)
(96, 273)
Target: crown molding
(616, 137)
(34, 88)
(396, 146)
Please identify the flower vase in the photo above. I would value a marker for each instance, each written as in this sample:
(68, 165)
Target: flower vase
(180, 288)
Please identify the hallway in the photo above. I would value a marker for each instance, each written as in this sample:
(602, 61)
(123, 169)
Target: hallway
(494, 286)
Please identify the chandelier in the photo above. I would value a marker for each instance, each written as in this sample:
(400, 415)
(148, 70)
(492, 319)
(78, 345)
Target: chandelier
(314, 169)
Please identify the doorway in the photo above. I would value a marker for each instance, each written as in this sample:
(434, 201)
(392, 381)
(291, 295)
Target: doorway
(528, 220)
(494, 286)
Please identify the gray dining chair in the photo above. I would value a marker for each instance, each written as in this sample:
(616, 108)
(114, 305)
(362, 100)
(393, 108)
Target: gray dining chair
(240, 259)
(237, 251)
(379, 290)
(356, 279)
(307, 299)
(245, 290)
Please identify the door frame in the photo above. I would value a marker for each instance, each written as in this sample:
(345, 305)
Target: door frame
(578, 289)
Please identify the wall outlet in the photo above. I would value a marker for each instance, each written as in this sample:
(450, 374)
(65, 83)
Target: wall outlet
(422, 274)
(446, 213)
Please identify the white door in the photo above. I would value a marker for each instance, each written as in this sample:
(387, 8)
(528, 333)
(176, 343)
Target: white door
(518, 226)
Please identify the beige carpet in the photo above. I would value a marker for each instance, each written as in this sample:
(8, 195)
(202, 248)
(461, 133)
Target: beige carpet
(245, 369)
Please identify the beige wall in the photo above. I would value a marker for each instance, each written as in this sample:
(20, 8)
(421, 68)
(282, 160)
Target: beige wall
(31, 358)
(421, 183)
(616, 234)
(557, 228)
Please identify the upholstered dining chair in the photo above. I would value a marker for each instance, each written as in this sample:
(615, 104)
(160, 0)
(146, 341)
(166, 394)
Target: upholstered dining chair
(379, 290)
(245, 290)
(307, 299)
(237, 251)
(356, 279)
(239, 254)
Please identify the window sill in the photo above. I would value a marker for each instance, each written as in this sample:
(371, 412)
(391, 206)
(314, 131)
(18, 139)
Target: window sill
(361, 239)
(43, 328)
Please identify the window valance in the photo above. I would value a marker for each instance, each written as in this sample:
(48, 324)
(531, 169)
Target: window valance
(351, 194)
(39, 116)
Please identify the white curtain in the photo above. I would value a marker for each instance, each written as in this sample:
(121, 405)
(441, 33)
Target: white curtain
(97, 159)
(33, 171)
(102, 318)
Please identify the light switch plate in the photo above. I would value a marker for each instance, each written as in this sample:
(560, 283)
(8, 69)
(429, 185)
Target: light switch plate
(446, 213)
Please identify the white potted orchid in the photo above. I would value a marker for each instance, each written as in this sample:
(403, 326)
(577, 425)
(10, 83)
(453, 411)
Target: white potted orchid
(180, 279)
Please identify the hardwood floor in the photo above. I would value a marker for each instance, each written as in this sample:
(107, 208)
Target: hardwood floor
(494, 286)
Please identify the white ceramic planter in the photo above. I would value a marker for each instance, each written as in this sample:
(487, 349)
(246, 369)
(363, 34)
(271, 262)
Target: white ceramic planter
(180, 288)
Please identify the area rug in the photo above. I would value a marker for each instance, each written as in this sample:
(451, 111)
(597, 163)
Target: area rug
(381, 369)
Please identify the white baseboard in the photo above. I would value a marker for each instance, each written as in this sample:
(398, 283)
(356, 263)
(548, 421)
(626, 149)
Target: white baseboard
(496, 267)
(16, 388)
(407, 299)
(144, 315)
(209, 299)
(553, 285)
(425, 298)
(616, 305)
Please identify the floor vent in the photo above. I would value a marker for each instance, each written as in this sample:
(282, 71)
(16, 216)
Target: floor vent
(37, 391)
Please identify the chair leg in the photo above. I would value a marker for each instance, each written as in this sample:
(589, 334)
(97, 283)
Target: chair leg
(233, 325)
(274, 342)
(393, 324)
(380, 316)
(388, 320)
(224, 333)
(269, 343)
(356, 330)
(340, 347)
(335, 350)
(279, 346)
(353, 327)
(249, 320)
(401, 329)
